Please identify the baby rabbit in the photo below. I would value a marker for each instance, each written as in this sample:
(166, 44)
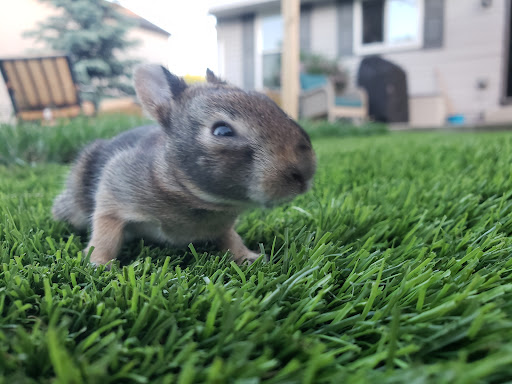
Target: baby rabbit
(217, 151)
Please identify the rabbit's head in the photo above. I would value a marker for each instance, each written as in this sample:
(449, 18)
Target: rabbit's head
(228, 146)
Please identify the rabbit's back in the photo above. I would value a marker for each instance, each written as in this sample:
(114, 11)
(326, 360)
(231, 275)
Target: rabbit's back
(77, 203)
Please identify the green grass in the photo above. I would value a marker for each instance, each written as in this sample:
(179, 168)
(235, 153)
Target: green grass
(31, 143)
(396, 268)
(318, 129)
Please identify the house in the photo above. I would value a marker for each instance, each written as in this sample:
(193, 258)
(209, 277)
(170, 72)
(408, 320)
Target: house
(455, 52)
(22, 15)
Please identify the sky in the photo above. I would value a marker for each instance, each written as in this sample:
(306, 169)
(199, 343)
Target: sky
(193, 41)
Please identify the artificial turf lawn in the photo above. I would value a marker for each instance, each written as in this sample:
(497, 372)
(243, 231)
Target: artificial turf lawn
(395, 268)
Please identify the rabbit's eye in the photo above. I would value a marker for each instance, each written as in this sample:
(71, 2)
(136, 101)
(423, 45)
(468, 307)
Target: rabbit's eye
(222, 129)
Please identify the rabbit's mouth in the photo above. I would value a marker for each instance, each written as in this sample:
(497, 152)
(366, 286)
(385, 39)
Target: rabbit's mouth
(276, 181)
(275, 195)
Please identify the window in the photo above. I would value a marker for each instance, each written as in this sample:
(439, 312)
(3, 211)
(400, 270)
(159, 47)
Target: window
(271, 44)
(383, 25)
(373, 18)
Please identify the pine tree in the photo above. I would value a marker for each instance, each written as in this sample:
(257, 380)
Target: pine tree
(93, 34)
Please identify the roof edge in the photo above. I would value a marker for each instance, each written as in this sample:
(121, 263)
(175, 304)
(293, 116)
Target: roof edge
(243, 7)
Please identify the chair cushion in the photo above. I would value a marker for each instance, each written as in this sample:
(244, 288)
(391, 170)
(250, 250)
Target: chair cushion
(348, 101)
(309, 81)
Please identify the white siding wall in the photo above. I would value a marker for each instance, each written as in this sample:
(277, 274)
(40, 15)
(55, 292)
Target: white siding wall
(324, 31)
(472, 51)
(229, 37)
(153, 48)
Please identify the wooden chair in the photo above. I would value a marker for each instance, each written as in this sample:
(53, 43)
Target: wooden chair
(318, 99)
(42, 88)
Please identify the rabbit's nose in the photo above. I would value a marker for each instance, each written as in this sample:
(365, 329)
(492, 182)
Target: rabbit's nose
(296, 177)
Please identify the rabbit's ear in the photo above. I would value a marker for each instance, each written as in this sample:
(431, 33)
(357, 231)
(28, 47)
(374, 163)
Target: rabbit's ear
(212, 78)
(158, 89)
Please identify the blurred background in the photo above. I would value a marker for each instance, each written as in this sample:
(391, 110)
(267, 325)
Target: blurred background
(408, 63)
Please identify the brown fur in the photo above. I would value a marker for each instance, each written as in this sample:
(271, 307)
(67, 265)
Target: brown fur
(178, 183)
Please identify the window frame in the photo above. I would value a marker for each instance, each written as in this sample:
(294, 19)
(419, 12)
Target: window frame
(258, 69)
(385, 46)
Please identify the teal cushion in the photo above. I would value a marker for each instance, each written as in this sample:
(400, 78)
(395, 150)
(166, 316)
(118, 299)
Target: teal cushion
(308, 81)
(348, 101)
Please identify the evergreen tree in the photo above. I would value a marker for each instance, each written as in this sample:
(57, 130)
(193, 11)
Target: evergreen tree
(93, 34)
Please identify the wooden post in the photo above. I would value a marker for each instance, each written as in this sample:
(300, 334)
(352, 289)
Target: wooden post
(290, 9)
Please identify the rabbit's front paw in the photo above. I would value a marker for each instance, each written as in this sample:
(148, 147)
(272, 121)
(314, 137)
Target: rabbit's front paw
(249, 257)
(98, 257)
